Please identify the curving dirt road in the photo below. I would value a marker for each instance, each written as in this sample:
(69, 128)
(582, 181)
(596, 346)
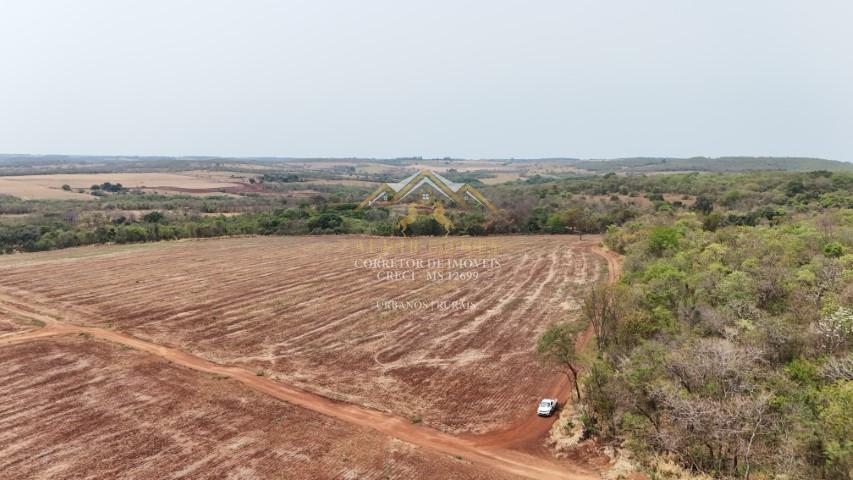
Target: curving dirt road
(507, 450)
(529, 436)
(517, 463)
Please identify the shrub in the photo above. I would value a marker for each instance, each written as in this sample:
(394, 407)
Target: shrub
(326, 222)
(833, 249)
(153, 217)
(662, 239)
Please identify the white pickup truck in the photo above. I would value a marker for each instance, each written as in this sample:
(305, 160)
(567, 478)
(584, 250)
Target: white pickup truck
(547, 407)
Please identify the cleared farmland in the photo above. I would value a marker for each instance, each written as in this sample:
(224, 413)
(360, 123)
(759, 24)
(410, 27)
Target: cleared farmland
(75, 407)
(50, 186)
(299, 309)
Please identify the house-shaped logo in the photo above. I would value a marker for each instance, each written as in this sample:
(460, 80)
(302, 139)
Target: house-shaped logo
(427, 187)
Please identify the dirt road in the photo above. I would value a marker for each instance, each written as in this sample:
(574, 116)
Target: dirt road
(529, 436)
(302, 310)
(506, 451)
(517, 463)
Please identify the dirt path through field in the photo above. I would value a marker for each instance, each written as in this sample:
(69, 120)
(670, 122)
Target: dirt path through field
(512, 451)
(508, 461)
(529, 436)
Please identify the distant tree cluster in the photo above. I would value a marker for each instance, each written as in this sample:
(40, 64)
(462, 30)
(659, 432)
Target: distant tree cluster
(106, 187)
(280, 177)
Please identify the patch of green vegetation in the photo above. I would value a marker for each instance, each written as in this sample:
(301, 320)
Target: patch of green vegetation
(577, 204)
(729, 347)
(722, 164)
(29, 321)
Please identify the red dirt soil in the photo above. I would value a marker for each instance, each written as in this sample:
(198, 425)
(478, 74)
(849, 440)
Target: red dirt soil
(490, 449)
(529, 435)
(74, 407)
(300, 310)
(500, 459)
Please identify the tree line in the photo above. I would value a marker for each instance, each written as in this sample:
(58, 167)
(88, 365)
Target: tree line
(726, 349)
(578, 205)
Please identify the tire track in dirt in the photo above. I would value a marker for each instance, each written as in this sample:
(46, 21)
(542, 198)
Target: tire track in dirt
(530, 435)
(442, 366)
(524, 436)
(508, 461)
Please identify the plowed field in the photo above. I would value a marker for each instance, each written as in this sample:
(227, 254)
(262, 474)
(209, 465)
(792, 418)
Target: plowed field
(304, 310)
(50, 186)
(77, 407)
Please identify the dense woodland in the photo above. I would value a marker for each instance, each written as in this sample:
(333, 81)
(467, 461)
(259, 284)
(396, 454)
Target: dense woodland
(726, 345)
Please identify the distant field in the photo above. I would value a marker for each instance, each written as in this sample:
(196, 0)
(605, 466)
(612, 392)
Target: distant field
(193, 192)
(196, 183)
(462, 166)
(42, 189)
(349, 183)
(50, 186)
(299, 309)
(74, 407)
(501, 177)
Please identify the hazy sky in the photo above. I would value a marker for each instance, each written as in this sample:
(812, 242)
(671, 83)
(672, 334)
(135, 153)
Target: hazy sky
(434, 78)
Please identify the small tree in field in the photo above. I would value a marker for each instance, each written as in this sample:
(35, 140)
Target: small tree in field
(556, 348)
(579, 221)
(599, 307)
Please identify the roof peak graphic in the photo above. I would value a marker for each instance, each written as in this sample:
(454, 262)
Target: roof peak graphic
(462, 195)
